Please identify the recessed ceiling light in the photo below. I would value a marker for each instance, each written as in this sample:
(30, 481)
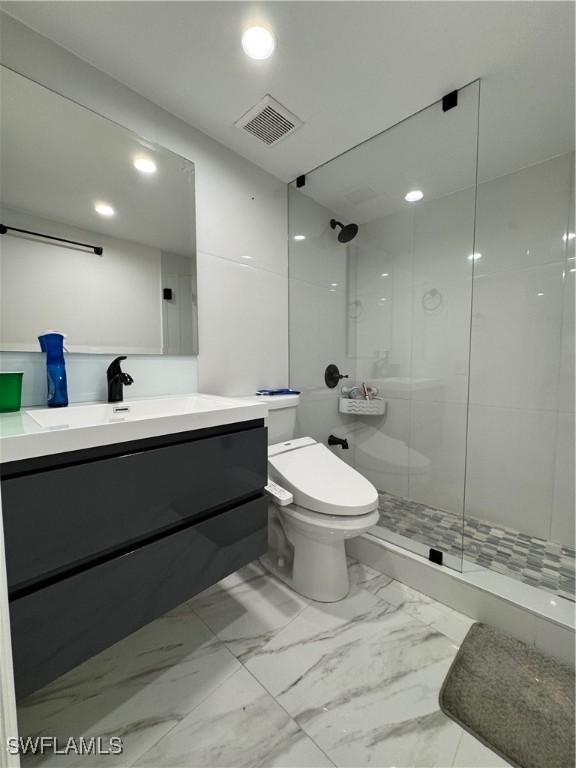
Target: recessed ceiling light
(414, 195)
(248, 258)
(145, 165)
(104, 209)
(384, 274)
(569, 236)
(299, 237)
(474, 256)
(573, 269)
(383, 298)
(539, 294)
(258, 43)
(334, 285)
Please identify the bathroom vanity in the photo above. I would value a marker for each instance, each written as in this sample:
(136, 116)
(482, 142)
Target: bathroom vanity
(115, 514)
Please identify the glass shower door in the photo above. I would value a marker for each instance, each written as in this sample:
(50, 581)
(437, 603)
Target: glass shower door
(391, 307)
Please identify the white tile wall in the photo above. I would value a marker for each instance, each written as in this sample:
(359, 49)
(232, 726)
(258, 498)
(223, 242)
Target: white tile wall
(318, 417)
(244, 326)
(562, 522)
(384, 268)
(422, 250)
(318, 334)
(318, 259)
(438, 432)
(319, 322)
(567, 362)
(510, 477)
(516, 338)
(520, 439)
(521, 217)
(382, 447)
(443, 240)
(241, 212)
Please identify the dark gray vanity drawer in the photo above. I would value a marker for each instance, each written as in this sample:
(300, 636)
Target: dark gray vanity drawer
(57, 627)
(67, 517)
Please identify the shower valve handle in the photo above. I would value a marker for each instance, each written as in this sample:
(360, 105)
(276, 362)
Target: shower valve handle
(332, 376)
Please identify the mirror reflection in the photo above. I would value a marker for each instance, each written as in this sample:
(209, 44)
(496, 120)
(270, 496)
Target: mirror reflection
(97, 231)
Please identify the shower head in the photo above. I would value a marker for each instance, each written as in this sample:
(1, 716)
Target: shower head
(347, 231)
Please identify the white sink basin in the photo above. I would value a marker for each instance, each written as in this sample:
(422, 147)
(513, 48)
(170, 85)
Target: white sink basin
(94, 414)
(43, 431)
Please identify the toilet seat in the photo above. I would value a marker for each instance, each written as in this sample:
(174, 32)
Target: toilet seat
(327, 522)
(319, 481)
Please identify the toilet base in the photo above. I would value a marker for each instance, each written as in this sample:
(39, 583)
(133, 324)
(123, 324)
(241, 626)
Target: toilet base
(314, 586)
(314, 566)
(306, 550)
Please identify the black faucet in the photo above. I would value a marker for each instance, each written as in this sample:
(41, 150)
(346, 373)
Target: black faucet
(342, 442)
(116, 380)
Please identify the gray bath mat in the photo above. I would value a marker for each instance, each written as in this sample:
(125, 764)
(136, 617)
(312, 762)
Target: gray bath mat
(514, 699)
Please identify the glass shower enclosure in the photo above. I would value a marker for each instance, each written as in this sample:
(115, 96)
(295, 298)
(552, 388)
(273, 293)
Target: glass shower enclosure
(451, 301)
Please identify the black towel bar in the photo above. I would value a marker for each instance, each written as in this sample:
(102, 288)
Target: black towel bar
(98, 250)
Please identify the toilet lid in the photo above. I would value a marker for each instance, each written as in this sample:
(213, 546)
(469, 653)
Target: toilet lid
(322, 482)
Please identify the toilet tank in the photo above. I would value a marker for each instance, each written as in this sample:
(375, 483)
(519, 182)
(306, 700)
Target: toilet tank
(281, 417)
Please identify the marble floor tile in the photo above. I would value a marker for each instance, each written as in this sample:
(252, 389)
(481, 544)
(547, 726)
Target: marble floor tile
(362, 576)
(441, 617)
(471, 753)
(249, 673)
(138, 689)
(238, 725)
(402, 596)
(246, 609)
(444, 619)
(362, 678)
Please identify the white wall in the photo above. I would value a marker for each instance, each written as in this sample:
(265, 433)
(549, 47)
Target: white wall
(241, 221)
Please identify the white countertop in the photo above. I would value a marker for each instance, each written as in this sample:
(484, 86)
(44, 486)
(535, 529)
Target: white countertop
(43, 431)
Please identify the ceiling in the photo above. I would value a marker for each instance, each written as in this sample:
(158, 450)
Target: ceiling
(347, 69)
(433, 151)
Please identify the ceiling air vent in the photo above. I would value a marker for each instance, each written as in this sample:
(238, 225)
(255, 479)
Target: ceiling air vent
(361, 195)
(269, 121)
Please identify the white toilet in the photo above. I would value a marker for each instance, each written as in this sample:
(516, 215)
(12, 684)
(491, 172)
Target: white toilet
(332, 503)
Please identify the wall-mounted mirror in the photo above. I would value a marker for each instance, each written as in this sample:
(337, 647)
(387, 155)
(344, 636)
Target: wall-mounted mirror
(97, 231)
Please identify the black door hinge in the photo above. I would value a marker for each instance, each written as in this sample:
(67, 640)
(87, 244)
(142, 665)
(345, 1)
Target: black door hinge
(449, 101)
(435, 556)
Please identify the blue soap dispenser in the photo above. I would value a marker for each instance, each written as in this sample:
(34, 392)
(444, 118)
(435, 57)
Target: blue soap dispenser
(52, 343)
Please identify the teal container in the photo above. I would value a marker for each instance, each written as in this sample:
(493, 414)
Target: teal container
(10, 391)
